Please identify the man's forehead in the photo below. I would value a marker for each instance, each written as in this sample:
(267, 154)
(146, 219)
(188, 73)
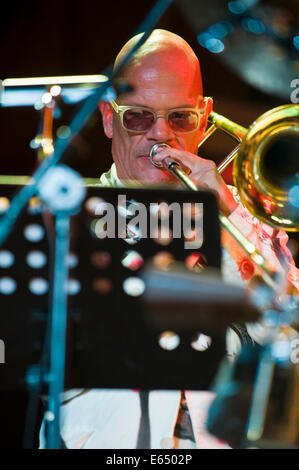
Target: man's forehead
(173, 60)
(164, 75)
(160, 97)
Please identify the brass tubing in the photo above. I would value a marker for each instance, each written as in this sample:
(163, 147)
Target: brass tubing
(228, 126)
(175, 169)
(223, 165)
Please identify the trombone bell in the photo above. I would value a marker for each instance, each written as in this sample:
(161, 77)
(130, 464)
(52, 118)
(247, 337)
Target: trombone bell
(266, 169)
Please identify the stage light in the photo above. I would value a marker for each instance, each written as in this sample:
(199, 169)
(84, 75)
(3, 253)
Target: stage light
(215, 45)
(236, 7)
(253, 26)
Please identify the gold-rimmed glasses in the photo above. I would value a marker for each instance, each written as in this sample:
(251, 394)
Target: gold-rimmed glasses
(141, 118)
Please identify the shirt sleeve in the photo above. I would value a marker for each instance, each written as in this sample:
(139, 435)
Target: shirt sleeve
(271, 243)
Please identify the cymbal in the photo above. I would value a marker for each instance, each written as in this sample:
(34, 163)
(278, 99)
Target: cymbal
(258, 41)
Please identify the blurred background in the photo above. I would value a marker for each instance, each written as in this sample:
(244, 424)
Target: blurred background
(248, 50)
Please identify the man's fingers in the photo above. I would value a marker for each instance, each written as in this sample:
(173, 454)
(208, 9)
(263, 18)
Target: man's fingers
(181, 157)
(163, 154)
(187, 158)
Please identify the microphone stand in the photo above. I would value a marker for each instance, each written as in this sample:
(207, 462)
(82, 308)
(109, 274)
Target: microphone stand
(62, 190)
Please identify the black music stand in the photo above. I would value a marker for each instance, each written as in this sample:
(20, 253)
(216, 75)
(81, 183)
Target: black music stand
(118, 325)
(111, 341)
(101, 315)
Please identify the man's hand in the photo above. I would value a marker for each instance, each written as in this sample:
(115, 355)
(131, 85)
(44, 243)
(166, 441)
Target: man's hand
(204, 174)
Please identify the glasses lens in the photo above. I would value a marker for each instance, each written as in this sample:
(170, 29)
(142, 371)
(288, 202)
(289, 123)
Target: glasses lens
(138, 120)
(183, 121)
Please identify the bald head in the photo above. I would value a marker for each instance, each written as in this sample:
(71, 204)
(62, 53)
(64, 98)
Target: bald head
(165, 77)
(163, 50)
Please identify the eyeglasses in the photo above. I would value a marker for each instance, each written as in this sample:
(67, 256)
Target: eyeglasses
(141, 119)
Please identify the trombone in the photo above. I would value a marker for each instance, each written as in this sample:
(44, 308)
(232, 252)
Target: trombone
(265, 172)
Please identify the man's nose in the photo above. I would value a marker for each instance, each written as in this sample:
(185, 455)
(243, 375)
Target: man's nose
(160, 131)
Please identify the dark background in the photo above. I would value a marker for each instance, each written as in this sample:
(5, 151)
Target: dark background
(72, 37)
(48, 38)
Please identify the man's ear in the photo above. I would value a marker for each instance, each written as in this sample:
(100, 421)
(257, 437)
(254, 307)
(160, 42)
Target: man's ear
(107, 117)
(207, 105)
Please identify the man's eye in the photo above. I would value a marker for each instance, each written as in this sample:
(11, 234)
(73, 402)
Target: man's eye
(179, 115)
(138, 113)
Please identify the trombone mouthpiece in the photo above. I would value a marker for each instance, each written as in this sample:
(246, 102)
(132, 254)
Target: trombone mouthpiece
(167, 163)
(154, 151)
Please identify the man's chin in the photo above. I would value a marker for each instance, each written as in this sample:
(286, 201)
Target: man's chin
(156, 176)
(147, 174)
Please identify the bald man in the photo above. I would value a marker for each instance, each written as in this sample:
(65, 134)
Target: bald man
(165, 75)
(166, 106)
